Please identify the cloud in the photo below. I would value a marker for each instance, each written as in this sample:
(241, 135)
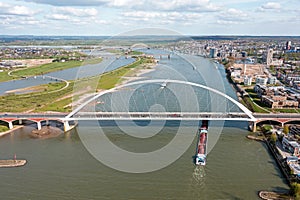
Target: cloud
(172, 5)
(30, 21)
(140, 5)
(69, 2)
(58, 17)
(9, 9)
(19, 22)
(232, 16)
(270, 6)
(161, 17)
(88, 12)
(20, 10)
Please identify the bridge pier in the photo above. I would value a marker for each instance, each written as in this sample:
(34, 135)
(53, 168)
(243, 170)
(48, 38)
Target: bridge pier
(67, 126)
(252, 126)
(10, 125)
(39, 125)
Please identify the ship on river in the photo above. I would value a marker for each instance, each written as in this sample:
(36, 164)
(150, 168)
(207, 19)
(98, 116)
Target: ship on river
(201, 152)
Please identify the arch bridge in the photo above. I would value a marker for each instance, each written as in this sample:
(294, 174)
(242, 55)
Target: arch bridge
(77, 115)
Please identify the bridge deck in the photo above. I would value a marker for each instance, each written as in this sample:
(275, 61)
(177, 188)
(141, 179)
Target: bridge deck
(238, 116)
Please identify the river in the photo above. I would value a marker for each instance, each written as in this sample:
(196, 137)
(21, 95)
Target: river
(109, 63)
(62, 168)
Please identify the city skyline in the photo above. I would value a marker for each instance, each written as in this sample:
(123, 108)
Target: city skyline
(187, 17)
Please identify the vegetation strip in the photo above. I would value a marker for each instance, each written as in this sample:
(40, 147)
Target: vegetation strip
(47, 100)
(44, 69)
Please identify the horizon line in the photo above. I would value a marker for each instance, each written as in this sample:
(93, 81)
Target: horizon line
(187, 35)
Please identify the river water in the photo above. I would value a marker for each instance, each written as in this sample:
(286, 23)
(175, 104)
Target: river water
(62, 168)
(109, 63)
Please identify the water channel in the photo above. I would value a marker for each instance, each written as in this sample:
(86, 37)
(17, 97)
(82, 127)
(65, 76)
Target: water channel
(109, 63)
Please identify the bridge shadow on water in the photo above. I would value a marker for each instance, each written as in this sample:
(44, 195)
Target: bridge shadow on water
(171, 123)
(145, 123)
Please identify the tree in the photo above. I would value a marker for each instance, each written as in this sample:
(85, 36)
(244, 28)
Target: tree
(295, 190)
(286, 129)
(273, 138)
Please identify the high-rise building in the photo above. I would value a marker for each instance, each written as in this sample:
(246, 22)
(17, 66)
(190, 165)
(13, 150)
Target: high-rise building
(247, 80)
(272, 80)
(288, 45)
(261, 81)
(244, 54)
(212, 53)
(269, 57)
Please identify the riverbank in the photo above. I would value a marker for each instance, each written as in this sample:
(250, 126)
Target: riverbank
(138, 73)
(11, 130)
(44, 66)
(256, 138)
(271, 195)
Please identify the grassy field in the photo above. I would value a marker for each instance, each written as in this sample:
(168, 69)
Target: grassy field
(253, 107)
(47, 68)
(110, 79)
(3, 128)
(58, 106)
(57, 101)
(4, 76)
(256, 108)
(32, 101)
(43, 69)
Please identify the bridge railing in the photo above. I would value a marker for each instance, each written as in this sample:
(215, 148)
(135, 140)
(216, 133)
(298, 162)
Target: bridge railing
(158, 115)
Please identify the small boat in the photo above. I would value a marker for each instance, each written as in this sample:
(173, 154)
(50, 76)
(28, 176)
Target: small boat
(163, 85)
(100, 102)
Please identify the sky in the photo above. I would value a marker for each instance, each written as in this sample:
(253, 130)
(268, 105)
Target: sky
(116, 17)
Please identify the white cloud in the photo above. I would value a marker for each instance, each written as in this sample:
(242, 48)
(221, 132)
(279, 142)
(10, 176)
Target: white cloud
(57, 17)
(271, 5)
(232, 16)
(153, 5)
(70, 2)
(21, 10)
(162, 17)
(9, 9)
(162, 5)
(224, 22)
(125, 3)
(30, 21)
(4, 5)
(88, 12)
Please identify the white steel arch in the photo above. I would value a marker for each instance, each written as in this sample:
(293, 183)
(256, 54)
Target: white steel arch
(241, 106)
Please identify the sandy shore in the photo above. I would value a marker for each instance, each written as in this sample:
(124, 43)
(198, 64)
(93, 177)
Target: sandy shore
(32, 62)
(26, 90)
(138, 74)
(46, 132)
